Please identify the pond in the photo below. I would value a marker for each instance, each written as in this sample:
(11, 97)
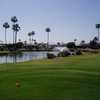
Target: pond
(24, 56)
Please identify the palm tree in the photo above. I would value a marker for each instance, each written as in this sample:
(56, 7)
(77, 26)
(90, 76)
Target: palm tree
(75, 41)
(98, 27)
(32, 34)
(83, 41)
(16, 28)
(29, 34)
(6, 25)
(14, 20)
(19, 40)
(47, 30)
(25, 43)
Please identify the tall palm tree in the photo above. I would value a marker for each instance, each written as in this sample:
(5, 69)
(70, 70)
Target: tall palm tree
(29, 34)
(16, 29)
(48, 30)
(32, 34)
(75, 41)
(19, 40)
(14, 20)
(6, 26)
(98, 27)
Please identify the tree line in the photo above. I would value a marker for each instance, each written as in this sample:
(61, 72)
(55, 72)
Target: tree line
(16, 28)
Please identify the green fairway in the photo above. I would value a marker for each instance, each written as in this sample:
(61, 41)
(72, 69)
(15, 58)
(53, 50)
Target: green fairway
(71, 78)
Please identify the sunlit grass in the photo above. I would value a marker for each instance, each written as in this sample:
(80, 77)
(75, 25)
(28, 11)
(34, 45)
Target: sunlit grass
(71, 78)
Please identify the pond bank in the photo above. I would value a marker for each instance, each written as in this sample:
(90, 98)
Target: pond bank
(4, 53)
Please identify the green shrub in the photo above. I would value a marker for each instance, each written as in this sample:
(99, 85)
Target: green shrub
(63, 54)
(78, 52)
(50, 56)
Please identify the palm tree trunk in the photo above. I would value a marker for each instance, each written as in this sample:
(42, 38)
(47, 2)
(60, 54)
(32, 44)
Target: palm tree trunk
(32, 39)
(13, 37)
(98, 34)
(48, 40)
(5, 37)
(16, 37)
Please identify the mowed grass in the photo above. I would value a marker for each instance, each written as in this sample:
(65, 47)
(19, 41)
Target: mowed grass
(70, 78)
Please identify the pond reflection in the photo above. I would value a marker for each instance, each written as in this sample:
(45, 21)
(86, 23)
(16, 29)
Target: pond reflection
(24, 56)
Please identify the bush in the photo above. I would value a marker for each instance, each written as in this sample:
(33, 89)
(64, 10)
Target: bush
(50, 56)
(63, 54)
(78, 52)
(71, 45)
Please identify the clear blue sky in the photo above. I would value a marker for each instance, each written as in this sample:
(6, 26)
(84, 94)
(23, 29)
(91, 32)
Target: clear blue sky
(68, 19)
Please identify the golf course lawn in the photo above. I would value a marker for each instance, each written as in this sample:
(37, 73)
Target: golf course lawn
(69, 78)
